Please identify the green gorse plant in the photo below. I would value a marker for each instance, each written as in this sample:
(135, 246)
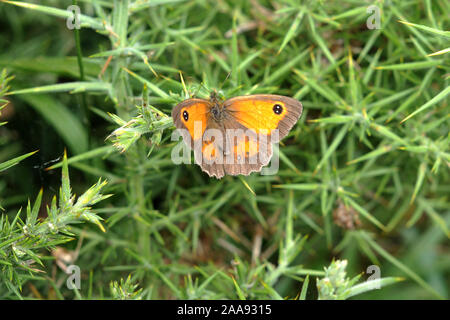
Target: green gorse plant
(22, 240)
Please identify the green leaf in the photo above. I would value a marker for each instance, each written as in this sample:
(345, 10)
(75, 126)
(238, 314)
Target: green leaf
(434, 31)
(440, 96)
(64, 121)
(11, 163)
(372, 285)
(292, 30)
(85, 21)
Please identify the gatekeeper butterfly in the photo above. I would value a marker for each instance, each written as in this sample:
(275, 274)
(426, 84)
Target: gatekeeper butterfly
(235, 136)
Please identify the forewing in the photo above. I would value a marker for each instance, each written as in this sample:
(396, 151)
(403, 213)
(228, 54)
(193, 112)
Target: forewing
(264, 113)
(189, 116)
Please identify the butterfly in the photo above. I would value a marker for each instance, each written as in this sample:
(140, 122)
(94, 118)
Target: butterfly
(235, 136)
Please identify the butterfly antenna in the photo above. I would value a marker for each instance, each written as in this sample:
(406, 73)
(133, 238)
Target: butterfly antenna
(224, 81)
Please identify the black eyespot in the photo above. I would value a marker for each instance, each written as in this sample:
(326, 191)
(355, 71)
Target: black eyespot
(185, 115)
(278, 109)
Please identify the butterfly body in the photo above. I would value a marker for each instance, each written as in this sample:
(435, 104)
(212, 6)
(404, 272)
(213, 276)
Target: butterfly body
(217, 110)
(235, 136)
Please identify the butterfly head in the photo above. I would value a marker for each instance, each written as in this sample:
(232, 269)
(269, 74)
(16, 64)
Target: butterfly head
(216, 96)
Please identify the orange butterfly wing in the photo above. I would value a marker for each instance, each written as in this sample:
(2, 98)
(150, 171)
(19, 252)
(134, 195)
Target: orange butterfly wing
(243, 151)
(190, 115)
(262, 114)
(193, 115)
(265, 112)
